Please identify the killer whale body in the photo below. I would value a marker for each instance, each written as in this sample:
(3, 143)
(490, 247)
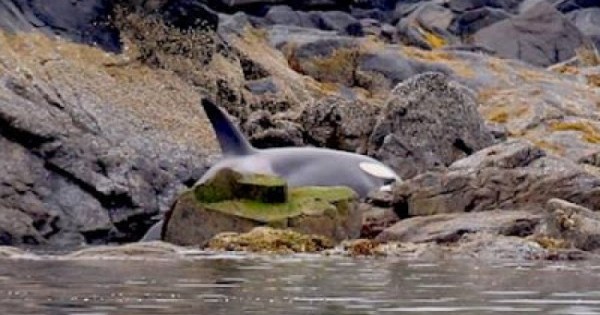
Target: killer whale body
(299, 166)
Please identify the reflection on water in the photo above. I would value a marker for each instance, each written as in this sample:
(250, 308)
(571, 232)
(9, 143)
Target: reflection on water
(296, 285)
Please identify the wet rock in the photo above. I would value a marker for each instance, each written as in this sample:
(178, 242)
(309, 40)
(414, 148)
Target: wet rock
(337, 123)
(541, 36)
(377, 220)
(232, 202)
(510, 175)
(137, 251)
(577, 226)
(428, 122)
(269, 240)
(449, 228)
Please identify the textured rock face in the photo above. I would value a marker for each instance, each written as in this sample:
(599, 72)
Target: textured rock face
(232, 202)
(428, 122)
(511, 175)
(575, 226)
(340, 124)
(541, 36)
(87, 153)
(448, 228)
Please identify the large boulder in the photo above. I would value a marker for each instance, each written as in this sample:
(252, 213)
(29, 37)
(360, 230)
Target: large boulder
(511, 175)
(92, 151)
(234, 202)
(428, 122)
(541, 36)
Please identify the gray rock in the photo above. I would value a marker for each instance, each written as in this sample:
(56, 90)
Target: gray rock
(262, 86)
(428, 122)
(576, 226)
(588, 22)
(266, 130)
(383, 70)
(84, 168)
(470, 22)
(541, 36)
(511, 175)
(427, 26)
(84, 21)
(338, 123)
(449, 228)
(566, 6)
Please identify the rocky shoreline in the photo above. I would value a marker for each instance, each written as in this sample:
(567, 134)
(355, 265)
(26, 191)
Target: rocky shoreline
(488, 109)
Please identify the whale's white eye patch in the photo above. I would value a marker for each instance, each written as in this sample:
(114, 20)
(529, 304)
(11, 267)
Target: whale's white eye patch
(378, 170)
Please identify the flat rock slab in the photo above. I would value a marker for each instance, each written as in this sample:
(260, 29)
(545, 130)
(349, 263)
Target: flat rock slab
(446, 228)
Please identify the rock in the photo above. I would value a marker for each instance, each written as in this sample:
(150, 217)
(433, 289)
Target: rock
(470, 22)
(230, 202)
(261, 86)
(449, 228)
(269, 240)
(511, 175)
(136, 251)
(577, 226)
(428, 122)
(427, 27)
(16, 228)
(266, 130)
(377, 220)
(567, 6)
(338, 21)
(588, 22)
(285, 15)
(382, 71)
(339, 124)
(189, 14)
(83, 21)
(541, 36)
(81, 156)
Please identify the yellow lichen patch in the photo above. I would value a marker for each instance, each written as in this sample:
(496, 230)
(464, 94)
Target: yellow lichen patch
(547, 146)
(588, 131)
(550, 242)
(498, 115)
(434, 40)
(426, 55)
(593, 79)
(501, 114)
(340, 65)
(269, 240)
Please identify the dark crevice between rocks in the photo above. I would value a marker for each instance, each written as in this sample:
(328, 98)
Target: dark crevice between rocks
(462, 146)
(23, 137)
(454, 237)
(401, 209)
(136, 226)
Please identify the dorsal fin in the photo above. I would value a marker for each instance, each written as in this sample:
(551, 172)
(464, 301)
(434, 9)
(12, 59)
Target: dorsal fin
(231, 140)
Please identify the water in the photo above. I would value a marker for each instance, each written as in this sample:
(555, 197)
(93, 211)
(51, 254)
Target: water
(296, 285)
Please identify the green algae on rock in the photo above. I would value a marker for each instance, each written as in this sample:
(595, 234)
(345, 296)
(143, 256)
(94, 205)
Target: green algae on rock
(234, 202)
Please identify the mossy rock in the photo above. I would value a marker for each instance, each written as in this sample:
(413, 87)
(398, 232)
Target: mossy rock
(232, 202)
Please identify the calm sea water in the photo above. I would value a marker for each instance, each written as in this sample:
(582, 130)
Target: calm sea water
(296, 285)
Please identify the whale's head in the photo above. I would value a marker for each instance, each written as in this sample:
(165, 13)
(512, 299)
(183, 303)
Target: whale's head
(379, 170)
